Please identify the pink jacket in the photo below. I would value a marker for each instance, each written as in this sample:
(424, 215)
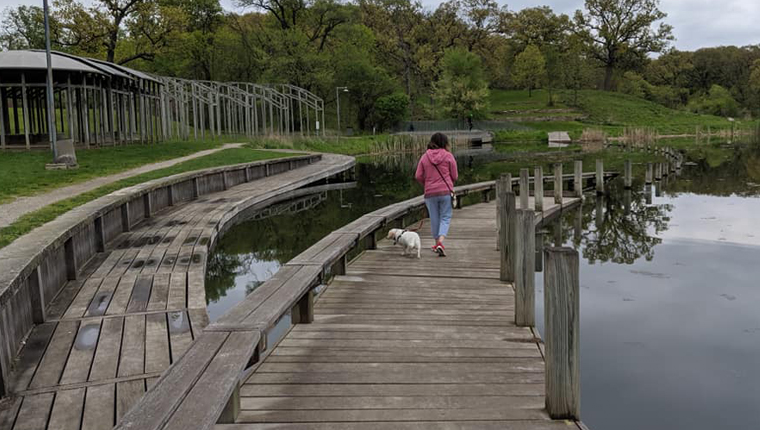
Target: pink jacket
(429, 177)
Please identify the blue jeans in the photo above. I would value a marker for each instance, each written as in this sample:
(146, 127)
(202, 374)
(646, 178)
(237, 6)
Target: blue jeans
(439, 209)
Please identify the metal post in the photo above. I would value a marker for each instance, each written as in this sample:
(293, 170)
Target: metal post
(50, 103)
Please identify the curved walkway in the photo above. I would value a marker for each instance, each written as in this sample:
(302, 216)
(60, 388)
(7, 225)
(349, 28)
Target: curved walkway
(10, 212)
(135, 310)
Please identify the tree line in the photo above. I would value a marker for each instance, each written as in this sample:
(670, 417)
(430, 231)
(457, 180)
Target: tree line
(399, 59)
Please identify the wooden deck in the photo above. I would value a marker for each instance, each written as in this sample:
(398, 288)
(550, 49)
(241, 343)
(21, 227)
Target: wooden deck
(401, 343)
(134, 310)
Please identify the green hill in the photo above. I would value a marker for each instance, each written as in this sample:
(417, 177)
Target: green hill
(608, 111)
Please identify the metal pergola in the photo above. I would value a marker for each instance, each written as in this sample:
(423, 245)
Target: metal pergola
(107, 104)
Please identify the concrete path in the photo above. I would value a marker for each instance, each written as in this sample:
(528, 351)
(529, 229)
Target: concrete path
(10, 212)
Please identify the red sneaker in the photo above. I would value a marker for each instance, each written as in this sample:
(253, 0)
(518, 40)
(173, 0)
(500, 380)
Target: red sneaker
(440, 250)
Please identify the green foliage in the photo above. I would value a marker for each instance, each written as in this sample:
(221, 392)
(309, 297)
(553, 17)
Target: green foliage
(718, 101)
(620, 32)
(529, 70)
(462, 89)
(391, 109)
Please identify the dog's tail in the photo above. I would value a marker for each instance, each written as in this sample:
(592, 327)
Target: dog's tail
(418, 227)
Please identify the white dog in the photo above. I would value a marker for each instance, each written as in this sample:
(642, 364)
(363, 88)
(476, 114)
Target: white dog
(408, 239)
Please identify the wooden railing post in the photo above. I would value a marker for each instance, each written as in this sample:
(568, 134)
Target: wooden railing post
(561, 319)
(502, 187)
(507, 236)
(558, 183)
(303, 311)
(538, 188)
(650, 173)
(525, 264)
(524, 188)
(599, 176)
(578, 178)
(627, 175)
(658, 172)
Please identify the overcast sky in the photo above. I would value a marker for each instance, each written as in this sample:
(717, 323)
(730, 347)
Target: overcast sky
(698, 23)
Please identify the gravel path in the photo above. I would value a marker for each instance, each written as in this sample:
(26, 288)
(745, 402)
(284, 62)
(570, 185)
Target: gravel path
(10, 212)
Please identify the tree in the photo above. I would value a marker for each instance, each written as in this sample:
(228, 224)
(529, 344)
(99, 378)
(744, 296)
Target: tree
(537, 26)
(529, 70)
(391, 109)
(620, 31)
(23, 28)
(576, 70)
(754, 82)
(718, 101)
(462, 89)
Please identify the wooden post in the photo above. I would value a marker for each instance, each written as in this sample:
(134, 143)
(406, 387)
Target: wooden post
(303, 311)
(71, 259)
(558, 183)
(538, 188)
(628, 175)
(599, 176)
(25, 113)
(125, 223)
(649, 174)
(3, 109)
(86, 112)
(148, 204)
(232, 408)
(100, 236)
(578, 178)
(525, 264)
(524, 188)
(665, 168)
(507, 236)
(37, 293)
(562, 341)
(657, 171)
(539, 254)
(502, 187)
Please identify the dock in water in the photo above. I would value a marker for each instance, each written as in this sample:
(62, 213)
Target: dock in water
(402, 343)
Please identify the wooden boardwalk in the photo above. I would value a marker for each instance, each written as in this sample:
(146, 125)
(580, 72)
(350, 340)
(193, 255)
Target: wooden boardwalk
(133, 311)
(401, 343)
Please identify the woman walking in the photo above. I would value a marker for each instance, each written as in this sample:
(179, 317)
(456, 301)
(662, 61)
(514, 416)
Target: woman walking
(437, 171)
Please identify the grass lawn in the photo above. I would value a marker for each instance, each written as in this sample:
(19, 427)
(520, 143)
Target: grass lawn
(608, 111)
(23, 173)
(35, 219)
(354, 145)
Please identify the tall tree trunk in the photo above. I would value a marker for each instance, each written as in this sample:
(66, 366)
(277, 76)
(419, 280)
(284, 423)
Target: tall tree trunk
(608, 77)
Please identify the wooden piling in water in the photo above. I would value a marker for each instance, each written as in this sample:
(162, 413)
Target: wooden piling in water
(599, 176)
(524, 266)
(578, 178)
(658, 171)
(538, 188)
(628, 175)
(561, 319)
(558, 183)
(524, 188)
(649, 174)
(507, 235)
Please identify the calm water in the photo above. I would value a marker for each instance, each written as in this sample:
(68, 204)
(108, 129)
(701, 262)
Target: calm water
(670, 328)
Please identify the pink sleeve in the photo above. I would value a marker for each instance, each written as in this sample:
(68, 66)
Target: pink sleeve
(453, 168)
(420, 174)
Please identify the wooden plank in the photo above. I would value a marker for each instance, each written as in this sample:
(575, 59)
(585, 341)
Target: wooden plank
(138, 302)
(102, 299)
(8, 411)
(158, 405)
(52, 364)
(205, 402)
(120, 298)
(99, 407)
(409, 425)
(157, 356)
(31, 355)
(83, 298)
(390, 390)
(196, 293)
(132, 359)
(177, 291)
(159, 295)
(106, 358)
(180, 336)
(311, 416)
(396, 378)
(81, 355)
(305, 403)
(67, 410)
(128, 393)
(34, 412)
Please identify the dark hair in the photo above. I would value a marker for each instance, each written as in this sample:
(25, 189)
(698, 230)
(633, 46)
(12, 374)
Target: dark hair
(438, 141)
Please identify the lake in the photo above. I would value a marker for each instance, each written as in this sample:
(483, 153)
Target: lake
(670, 328)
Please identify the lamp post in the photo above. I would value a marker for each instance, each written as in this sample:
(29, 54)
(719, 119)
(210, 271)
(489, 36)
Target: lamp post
(337, 98)
(50, 104)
